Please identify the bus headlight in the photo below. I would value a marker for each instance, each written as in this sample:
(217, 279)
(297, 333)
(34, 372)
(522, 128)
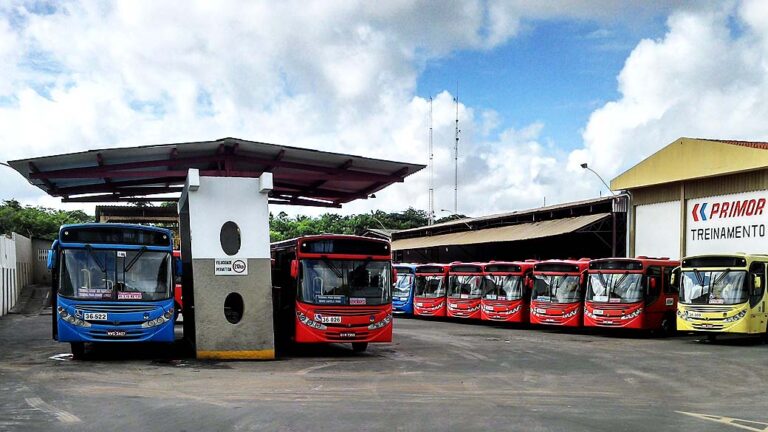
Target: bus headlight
(633, 314)
(164, 318)
(71, 319)
(736, 317)
(383, 323)
(308, 322)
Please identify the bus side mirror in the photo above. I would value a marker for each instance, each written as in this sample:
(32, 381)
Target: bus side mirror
(672, 279)
(758, 283)
(51, 259)
(294, 269)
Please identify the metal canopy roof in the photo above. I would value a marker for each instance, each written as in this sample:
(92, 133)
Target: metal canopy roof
(301, 176)
(524, 231)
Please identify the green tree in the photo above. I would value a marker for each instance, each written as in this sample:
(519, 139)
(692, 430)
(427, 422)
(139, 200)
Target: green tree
(34, 221)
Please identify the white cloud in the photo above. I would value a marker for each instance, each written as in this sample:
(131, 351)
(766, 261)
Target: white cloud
(342, 75)
(702, 79)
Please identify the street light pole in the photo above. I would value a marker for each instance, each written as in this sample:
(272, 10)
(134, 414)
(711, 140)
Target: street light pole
(613, 208)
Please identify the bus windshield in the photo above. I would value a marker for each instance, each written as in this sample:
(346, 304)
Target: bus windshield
(88, 274)
(507, 287)
(714, 287)
(465, 286)
(431, 286)
(556, 289)
(345, 282)
(615, 287)
(403, 285)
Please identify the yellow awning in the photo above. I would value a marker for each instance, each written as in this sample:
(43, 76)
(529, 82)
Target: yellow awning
(525, 231)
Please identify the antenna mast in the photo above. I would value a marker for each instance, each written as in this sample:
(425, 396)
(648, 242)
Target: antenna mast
(456, 157)
(431, 216)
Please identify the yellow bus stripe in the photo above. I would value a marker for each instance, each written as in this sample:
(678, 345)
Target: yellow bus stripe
(267, 354)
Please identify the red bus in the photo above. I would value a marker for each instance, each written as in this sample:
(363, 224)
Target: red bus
(506, 291)
(465, 287)
(430, 290)
(558, 292)
(631, 293)
(333, 288)
(177, 283)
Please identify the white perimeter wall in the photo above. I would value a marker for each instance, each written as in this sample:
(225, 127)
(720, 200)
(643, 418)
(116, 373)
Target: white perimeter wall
(657, 230)
(16, 263)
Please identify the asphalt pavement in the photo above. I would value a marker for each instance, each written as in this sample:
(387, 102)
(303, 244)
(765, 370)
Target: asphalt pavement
(437, 375)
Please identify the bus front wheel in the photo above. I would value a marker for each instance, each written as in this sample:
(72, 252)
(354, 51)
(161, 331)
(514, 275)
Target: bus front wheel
(359, 346)
(78, 350)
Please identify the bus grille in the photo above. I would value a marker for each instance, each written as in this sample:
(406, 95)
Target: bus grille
(115, 308)
(706, 309)
(348, 311)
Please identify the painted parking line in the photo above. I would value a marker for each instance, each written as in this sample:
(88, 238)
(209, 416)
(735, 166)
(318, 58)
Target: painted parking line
(749, 425)
(63, 416)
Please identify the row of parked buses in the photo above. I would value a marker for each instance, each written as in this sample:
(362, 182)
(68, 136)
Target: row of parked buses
(119, 283)
(611, 292)
(709, 294)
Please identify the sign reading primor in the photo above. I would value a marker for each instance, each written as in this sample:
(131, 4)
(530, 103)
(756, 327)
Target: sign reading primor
(230, 267)
(727, 224)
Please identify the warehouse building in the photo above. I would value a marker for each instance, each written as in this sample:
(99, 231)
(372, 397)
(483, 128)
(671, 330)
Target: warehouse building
(698, 196)
(592, 228)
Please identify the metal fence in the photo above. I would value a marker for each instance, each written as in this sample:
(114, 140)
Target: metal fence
(16, 267)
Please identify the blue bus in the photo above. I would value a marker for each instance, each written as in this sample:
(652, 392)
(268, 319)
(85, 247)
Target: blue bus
(402, 291)
(111, 283)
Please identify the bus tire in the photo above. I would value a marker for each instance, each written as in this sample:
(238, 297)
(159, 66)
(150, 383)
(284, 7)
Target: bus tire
(78, 350)
(176, 311)
(668, 326)
(359, 346)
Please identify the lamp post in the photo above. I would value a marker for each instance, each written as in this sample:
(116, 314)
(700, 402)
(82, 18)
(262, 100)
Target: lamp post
(586, 167)
(613, 205)
(456, 214)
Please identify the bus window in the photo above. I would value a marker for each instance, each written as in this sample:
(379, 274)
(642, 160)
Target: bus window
(756, 269)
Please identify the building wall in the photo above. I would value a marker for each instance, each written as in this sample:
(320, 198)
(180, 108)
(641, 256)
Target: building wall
(9, 291)
(40, 273)
(655, 229)
(24, 261)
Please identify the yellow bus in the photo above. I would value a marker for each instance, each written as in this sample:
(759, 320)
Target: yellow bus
(723, 294)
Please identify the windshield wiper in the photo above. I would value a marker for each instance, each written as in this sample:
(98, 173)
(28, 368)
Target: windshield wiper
(332, 267)
(102, 266)
(719, 278)
(127, 268)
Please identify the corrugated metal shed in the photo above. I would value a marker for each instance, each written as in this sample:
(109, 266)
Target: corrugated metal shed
(525, 231)
(301, 176)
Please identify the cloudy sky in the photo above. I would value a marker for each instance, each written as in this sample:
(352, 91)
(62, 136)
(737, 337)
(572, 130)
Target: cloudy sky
(543, 86)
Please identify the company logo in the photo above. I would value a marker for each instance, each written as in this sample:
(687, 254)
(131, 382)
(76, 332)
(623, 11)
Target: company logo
(238, 266)
(728, 209)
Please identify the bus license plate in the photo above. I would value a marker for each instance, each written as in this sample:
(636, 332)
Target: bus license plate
(95, 316)
(330, 319)
(115, 332)
(597, 311)
(541, 311)
(694, 314)
(347, 335)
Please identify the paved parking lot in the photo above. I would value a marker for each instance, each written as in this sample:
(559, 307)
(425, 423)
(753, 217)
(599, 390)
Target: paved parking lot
(437, 375)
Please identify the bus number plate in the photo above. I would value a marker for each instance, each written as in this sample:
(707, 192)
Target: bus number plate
(694, 314)
(115, 333)
(95, 316)
(541, 311)
(330, 319)
(597, 311)
(347, 335)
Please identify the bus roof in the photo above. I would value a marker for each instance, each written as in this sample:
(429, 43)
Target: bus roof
(639, 262)
(410, 267)
(722, 260)
(114, 234)
(430, 268)
(562, 266)
(461, 267)
(294, 241)
(505, 266)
